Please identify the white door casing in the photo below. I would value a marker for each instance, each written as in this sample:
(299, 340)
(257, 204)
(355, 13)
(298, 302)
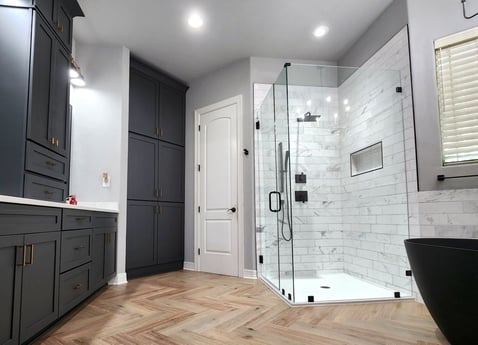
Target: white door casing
(219, 232)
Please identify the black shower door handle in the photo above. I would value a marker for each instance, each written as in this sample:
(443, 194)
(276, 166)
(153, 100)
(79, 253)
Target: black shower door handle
(279, 202)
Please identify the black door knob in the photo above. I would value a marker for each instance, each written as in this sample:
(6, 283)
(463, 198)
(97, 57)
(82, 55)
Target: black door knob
(233, 210)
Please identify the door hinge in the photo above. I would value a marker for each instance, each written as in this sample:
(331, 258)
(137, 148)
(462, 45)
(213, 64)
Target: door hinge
(199, 251)
(261, 259)
(199, 209)
(199, 167)
(199, 128)
(258, 125)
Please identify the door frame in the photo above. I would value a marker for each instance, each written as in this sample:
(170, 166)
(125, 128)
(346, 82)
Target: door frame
(237, 101)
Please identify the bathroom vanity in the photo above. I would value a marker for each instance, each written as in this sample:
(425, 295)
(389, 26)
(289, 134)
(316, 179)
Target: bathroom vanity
(52, 257)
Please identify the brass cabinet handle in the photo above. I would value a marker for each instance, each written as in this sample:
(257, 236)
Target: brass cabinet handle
(156, 193)
(52, 141)
(79, 247)
(81, 218)
(50, 164)
(24, 255)
(77, 286)
(57, 142)
(47, 192)
(32, 247)
(161, 132)
(160, 192)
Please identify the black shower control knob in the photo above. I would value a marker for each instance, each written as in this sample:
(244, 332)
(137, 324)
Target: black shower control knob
(233, 210)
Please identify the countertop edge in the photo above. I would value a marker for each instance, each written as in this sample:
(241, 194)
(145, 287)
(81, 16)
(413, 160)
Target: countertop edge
(81, 206)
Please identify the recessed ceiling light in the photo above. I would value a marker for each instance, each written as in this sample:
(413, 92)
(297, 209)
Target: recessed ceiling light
(328, 99)
(346, 101)
(195, 21)
(321, 31)
(309, 102)
(347, 109)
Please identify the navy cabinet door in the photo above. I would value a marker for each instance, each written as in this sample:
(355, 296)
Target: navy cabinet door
(171, 172)
(142, 168)
(143, 104)
(170, 233)
(110, 255)
(97, 258)
(40, 283)
(47, 8)
(40, 127)
(11, 256)
(171, 115)
(61, 92)
(141, 236)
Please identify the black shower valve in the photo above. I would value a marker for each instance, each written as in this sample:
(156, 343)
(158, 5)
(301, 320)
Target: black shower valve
(246, 152)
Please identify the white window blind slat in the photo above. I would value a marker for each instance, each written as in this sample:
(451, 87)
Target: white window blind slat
(457, 79)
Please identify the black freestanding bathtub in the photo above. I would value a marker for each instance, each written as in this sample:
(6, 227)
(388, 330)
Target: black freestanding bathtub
(446, 272)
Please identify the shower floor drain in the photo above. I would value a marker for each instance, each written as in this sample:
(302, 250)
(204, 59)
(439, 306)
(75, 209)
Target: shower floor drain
(325, 287)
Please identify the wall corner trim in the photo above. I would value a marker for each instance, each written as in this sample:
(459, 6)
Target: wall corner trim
(189, 266)
(249, 274)
(120, 279)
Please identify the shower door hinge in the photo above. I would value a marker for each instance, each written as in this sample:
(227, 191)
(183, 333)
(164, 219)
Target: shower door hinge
(258, 125)
(261, 259)
(199, 128)
(199, 167)
(199, 251)
(398, 89)
(199, 209)
(408, 273)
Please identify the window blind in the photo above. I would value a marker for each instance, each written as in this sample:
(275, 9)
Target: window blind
(457, 78)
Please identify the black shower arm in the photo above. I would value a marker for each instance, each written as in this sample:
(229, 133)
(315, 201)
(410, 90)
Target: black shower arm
(464, 11)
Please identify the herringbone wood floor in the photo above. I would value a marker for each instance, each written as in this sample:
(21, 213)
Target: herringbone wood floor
(206, 309)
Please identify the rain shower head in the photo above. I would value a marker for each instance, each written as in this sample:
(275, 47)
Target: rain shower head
(308, 117)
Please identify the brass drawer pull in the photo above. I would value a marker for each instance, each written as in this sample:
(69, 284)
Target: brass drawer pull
(50, 164)
(57, 143)
(31, 254)
(47, 192)
(77, 286)
(80, 218)
(52, 141)
(24, 255)
(80, 247)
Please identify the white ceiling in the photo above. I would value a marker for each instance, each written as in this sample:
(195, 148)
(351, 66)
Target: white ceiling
(157, 30)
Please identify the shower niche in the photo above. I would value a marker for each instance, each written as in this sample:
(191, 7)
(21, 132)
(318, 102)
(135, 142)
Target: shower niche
(345, 243)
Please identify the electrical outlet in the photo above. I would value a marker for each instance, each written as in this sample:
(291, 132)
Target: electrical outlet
(106, 180)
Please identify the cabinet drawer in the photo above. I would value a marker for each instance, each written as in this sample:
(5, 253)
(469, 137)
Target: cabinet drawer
(75, 249)
(43, 188)
(74, 288)
(45, 162)
(77, 219)
(21, 219)
(105, 220)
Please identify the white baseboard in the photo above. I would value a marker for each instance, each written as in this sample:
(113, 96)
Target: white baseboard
(120, 279)
(189, 266)
(250, 274)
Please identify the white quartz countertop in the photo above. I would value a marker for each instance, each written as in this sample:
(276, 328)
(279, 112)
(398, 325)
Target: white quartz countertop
(99, 207)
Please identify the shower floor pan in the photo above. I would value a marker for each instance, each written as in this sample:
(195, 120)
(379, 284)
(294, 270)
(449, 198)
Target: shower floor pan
(337, 288)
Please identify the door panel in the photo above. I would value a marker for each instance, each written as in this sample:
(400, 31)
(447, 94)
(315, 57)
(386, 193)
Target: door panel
(170, 233)
(64, 22)
(171, 172)
(47, 8)
(171, 115)
(141, 234)
(39, 122)
(143, 104)
(60, 118)
(142, 168)
(97, 258)
(110, 255)
(11, 254)
(40, 283)
(218, 191)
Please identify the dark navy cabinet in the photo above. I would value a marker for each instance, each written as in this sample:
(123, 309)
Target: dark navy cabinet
(50, 263)
(155, 229)
(35, 41)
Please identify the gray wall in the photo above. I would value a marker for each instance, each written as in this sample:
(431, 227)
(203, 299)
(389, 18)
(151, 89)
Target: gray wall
(429, 20)
(391, 21)
(230, 81)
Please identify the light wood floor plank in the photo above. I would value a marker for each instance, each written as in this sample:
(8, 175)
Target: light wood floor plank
(190, 308)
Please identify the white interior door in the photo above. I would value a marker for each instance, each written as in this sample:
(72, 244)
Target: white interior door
(218, 236)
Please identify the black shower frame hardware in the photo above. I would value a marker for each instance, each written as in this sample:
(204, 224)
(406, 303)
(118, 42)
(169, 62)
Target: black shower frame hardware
(398, 89)
(464, 11)
(443, 177)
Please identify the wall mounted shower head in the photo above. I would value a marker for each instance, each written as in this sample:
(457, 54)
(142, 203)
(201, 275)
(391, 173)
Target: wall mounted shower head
(308, 117)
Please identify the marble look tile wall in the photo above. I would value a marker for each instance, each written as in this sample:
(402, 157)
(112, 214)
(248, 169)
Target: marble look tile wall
(375, 203)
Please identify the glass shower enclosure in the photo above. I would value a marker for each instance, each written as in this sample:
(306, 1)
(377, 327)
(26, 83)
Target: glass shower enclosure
(331, 193)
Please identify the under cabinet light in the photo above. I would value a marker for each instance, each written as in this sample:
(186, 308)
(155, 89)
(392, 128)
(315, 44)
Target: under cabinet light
(76, 78)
